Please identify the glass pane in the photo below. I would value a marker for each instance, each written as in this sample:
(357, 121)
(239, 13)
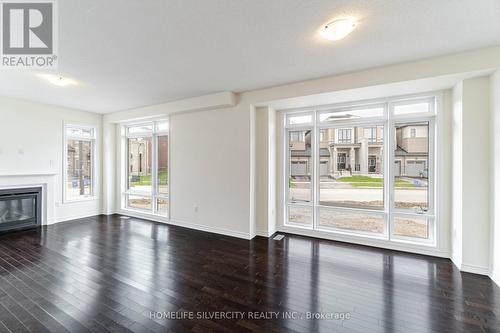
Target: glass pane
(140, 128)
(140, 164)
(162, 126)
(351, 167)
(162, 206)
(300, 166)
(302, 215)
(87, 132)
(163, 164)
(12, 210)
(82, 132)
(411, 166)
(79, 169)
(336, 115)
(418, 107)
(73, 131)
(300, 119)
(352, 221)
(138, 202)
(409, 226)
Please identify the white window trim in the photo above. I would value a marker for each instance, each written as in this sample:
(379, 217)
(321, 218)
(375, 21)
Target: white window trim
(432, 246)
(154, 195)
(93, 160)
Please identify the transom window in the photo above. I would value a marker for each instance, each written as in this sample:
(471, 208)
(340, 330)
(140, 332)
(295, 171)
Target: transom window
(79, 168)
(346, 178)
(147, 171)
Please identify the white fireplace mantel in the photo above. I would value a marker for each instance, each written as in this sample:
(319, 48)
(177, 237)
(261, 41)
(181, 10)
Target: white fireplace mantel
(28, 174)
(44, 180)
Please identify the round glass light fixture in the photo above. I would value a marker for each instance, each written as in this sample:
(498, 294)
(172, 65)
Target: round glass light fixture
(58, 80)
(338, 29)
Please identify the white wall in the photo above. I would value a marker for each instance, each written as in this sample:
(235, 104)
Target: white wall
(265, 163)
(471, 175)
(31, 142)
(210, 170)
(456, 193)
(262, 174)
(272, 171)
(109, 168)
(495, 179)
(476, 173)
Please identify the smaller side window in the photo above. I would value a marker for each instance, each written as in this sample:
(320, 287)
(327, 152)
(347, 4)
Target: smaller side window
(79, 163)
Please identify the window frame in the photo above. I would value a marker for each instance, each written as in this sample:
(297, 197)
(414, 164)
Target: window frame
(93, 143)
(388, 121)
(155, 195)
(431, 213)
(288, 201)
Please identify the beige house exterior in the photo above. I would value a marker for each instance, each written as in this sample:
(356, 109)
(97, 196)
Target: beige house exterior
(412, 150)
(359, 151)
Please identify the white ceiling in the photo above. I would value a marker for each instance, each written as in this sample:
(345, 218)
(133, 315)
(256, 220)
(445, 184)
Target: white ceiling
(129, 53)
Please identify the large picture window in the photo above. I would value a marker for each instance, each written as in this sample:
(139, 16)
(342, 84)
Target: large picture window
(147, 171)
(79, 142)
(363, 170)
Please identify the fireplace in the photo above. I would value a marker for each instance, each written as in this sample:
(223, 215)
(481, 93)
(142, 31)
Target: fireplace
(20, 208)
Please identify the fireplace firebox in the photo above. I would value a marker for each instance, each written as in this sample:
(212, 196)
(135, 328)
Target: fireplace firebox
(20, 208)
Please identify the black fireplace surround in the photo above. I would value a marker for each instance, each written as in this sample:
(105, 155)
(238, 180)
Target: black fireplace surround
(20, 208)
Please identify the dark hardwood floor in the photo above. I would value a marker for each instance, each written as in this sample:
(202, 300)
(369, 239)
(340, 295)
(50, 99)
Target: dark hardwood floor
(108, 274)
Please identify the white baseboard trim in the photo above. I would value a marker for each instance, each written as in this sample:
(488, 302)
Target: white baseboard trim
(456, 261)
(186, 224)
(475, 269)
(55, 220)
(215, 230)
(264, 233)
(144, 216)
(495, 276)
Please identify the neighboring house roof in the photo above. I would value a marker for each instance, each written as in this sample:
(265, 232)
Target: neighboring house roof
(323, 152)
(401, 152)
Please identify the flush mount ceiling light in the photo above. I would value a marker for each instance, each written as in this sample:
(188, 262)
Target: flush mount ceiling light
(58, 80)
(338, 29)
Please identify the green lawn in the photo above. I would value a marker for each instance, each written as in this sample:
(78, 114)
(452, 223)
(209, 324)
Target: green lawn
(360, 179)
(146, 180)
(366, 181)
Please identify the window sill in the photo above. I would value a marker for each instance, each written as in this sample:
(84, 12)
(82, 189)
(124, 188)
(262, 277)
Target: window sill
(412, 247)
(93, 198)
(142, 213)
(138, 193)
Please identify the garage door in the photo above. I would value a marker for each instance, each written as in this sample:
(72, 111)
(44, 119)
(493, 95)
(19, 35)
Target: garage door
(298, 168)
(415, 168)
(397, 168)
(323, 168)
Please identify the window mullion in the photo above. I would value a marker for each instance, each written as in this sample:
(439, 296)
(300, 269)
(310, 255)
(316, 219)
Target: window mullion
(389, 147)
(315, 155)
(154, 172)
